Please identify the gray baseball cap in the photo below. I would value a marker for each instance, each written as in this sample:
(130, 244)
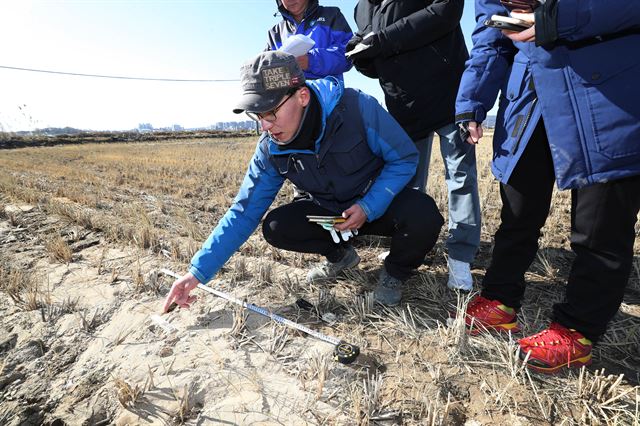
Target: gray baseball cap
(266, 79)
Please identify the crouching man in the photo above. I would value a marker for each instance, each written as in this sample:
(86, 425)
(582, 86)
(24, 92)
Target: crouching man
(348, 153)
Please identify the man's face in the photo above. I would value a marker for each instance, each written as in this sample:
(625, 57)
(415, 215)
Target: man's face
(295, 7)
(288, 116)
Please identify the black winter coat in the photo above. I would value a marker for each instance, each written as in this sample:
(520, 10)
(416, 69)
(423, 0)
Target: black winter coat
(421, 61)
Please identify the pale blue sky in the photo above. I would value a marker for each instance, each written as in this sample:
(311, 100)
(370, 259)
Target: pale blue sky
(206, 39)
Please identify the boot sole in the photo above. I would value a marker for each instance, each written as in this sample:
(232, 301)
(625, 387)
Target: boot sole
(576, 363)
(512, 327)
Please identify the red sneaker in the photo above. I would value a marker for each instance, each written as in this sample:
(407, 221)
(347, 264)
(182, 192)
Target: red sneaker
(484, 314)
(556, 348)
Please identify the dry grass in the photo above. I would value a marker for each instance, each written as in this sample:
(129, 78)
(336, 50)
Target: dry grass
(13, 282)
(59, 250)
(417, 367)
(24, 289)
(127, 395)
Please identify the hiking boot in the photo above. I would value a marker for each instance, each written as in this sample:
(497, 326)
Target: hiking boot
(556, 348)
(389, 289)
(484, 314)
(328, 271)
(459, 275)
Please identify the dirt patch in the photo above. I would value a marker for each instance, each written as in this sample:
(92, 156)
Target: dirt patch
(78, 344)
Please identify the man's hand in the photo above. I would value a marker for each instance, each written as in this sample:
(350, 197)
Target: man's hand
(526, 35)
(370, 46)
(303, 61)
(475, 133)
(179, 293)
(356, 217)
(355, 40)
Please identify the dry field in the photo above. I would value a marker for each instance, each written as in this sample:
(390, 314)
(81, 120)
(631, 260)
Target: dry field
(85, 228)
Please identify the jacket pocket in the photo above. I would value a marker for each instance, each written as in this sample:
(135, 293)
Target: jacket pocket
(596, 63)
(604, 76)
(518, 103)
(516, 81)
(350, 158)
(354, 167)
(614, 111)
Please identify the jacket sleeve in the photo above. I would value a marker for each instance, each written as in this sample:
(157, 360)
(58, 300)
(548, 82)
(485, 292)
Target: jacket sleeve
(363, 15)
(574, 20)
(388, 140)
(329, 59)
(259, 188)
(273, 37)
(487, 67)
(422, 27)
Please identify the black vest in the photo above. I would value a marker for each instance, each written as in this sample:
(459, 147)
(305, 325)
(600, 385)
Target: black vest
(344, 168)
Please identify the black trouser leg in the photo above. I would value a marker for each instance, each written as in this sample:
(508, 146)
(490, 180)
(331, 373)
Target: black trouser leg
(413, 222)
(287, 227)
(526, 199)
(603, 218)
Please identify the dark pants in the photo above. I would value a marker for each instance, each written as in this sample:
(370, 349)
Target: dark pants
(603, 217)
(412, 221)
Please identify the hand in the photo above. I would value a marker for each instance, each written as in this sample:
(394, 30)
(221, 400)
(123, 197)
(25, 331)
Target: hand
(356, 217)
(372, 48)
(303, 61)
(526, 35)
(179, 293)
(355, 40)
(475, 133)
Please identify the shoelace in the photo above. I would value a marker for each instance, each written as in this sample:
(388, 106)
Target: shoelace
(477, 304)
(552, 336)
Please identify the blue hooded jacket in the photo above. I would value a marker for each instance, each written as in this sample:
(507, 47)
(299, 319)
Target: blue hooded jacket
(328, 27)
(581, 78)
(360, 146)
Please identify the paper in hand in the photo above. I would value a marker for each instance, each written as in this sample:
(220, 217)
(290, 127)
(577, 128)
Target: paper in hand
(359, 47)
(297, 45)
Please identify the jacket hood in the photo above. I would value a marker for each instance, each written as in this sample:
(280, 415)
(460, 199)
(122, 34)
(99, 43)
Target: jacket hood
(312, 7)
(329, 91)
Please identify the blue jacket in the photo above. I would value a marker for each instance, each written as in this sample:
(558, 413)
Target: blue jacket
(327, 27)
(362, 148)
(581, 78)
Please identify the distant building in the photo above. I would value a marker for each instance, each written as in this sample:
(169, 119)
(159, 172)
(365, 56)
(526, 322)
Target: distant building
(145, 127)
(234, 125)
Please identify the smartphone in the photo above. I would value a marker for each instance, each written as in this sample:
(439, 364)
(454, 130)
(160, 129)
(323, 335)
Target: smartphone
(507, 23)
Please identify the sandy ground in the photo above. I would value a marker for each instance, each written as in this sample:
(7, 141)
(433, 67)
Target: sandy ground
(87, 352)
(63, 362)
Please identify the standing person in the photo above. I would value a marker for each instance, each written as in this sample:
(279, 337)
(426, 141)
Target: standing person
(344, 149)
(416, 49)
(331, 33)
(325, 25)
(568, 113)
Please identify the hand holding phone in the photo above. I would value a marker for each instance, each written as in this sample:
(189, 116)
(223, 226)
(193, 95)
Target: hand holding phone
(507, 23)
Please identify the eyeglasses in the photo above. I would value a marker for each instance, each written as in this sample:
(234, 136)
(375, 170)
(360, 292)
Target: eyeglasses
(269, 116)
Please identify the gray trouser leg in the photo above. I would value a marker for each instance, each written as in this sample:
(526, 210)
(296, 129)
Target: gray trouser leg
(464, 203)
